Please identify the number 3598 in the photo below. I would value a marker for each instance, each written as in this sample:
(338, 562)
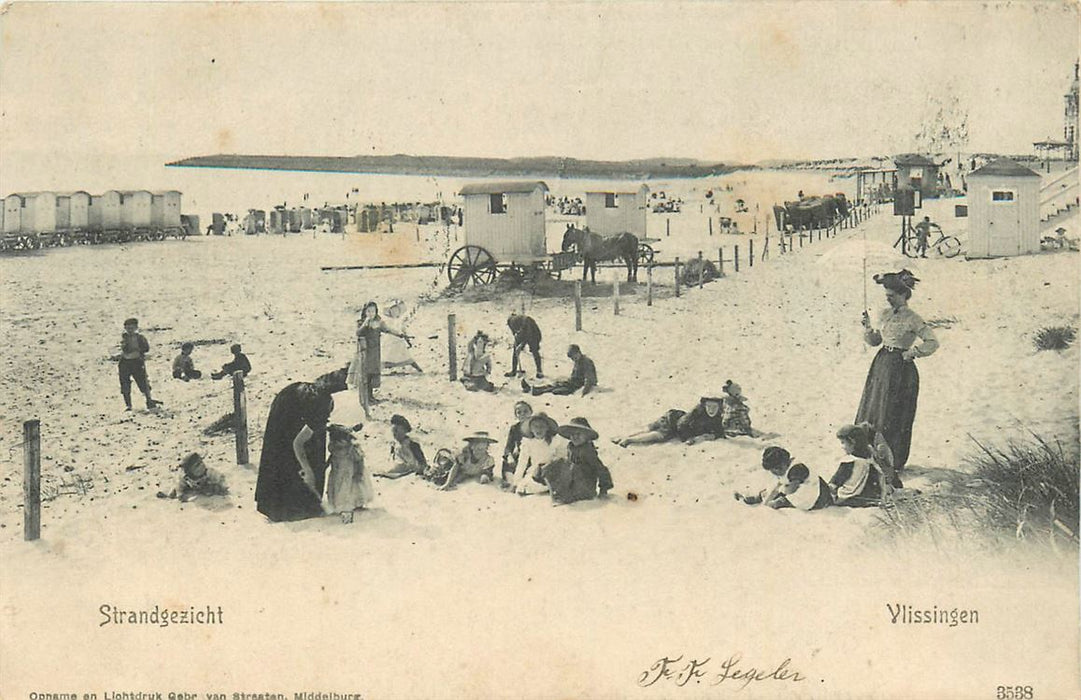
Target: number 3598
(1014, 692)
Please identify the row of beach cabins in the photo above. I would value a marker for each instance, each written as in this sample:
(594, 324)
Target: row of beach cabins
(40, 219)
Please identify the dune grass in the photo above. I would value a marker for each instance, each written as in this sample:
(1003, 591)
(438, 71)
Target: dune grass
(1054, 337)
(1023, 490)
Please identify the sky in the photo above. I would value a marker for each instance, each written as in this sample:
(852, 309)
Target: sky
(717, 81)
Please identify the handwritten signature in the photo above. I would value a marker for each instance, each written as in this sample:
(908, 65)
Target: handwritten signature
(681, 672)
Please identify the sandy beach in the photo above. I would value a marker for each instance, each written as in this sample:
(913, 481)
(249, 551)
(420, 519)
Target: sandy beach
(511, 582)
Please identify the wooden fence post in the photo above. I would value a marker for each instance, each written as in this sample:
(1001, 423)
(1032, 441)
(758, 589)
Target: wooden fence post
(750, 253)
(701, 270)
(577, 305)
(240, 417)
(667, 227)
(362, 380)
(765, 248)
(676, 268)
(801, 237)
(452, 347)
(720, 261)
(615, 298)
(31, 480)
(735, 258)
(649, 284)
(711, 225)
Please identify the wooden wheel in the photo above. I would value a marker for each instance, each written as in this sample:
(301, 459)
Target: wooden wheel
(471, 263)
(645, 253)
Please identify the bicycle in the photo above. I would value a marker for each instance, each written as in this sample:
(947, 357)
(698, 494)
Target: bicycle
(945, 246)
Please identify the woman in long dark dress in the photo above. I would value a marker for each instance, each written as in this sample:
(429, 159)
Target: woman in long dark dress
(893, 383)
(293, 462)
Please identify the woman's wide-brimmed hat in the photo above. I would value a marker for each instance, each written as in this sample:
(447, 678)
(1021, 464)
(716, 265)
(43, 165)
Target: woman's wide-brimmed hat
(394, 304)
(715, 399)
(335, 381)
(897, 281)
(553, 426)
(480, 436)
(578, 425)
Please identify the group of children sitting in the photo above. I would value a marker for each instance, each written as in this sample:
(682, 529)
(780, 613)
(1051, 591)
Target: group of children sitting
(864, 477)
(540, 456)
(184, 364)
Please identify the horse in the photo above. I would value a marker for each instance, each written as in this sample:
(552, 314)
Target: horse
(594, 247)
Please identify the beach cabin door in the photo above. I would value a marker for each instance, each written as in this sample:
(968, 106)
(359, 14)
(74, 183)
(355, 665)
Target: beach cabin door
(1003, 223)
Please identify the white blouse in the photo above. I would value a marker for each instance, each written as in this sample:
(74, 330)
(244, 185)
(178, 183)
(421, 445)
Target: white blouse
(900, 329)
(535, 454)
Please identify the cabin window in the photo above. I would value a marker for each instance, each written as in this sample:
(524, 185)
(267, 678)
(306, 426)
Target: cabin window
(498, 203)
(611, 200)
(1002, 195)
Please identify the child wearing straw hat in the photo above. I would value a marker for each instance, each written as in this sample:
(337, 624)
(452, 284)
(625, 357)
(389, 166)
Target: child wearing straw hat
(582, 474)
(473, 462)
(542, 447)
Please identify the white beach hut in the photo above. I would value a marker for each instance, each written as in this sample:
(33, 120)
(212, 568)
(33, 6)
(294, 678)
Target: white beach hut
(618, 211)
(506, 219)
(1003, 210)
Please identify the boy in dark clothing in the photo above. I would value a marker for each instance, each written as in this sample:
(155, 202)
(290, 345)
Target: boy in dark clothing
(581, 475)
(184, 366)
(583, 376)
(239, 364)
(526, 334)
(132, 363)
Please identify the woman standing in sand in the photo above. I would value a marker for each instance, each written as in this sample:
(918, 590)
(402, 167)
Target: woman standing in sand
(368, 364)
(293, 462)
(893, 384)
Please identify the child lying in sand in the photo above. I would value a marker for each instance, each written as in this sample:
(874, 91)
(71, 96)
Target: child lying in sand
(796, 487)
(196, 480)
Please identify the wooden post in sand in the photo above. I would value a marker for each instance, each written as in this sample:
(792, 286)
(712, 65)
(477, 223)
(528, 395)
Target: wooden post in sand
(667, 227)
(452, 348)
(735, 258)
(711, 225)
(240, 417)
(750, 253)
(701, 270)
(765, 247)
(577, 305)
(720, 262)
(362, 380)
(31, 480)
(615, 298)
(676, 268)
(649, 284)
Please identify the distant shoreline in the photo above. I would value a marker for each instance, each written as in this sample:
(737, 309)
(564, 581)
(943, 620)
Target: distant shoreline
(448, 166)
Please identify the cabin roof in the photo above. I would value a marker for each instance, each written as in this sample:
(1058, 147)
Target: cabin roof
(1003, 167)
(503, 187)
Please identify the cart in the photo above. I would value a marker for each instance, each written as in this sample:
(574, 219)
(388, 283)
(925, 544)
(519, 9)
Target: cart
(504, 235)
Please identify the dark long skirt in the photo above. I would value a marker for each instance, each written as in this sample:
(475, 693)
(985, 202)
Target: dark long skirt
(280, 492)
(889, 401)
